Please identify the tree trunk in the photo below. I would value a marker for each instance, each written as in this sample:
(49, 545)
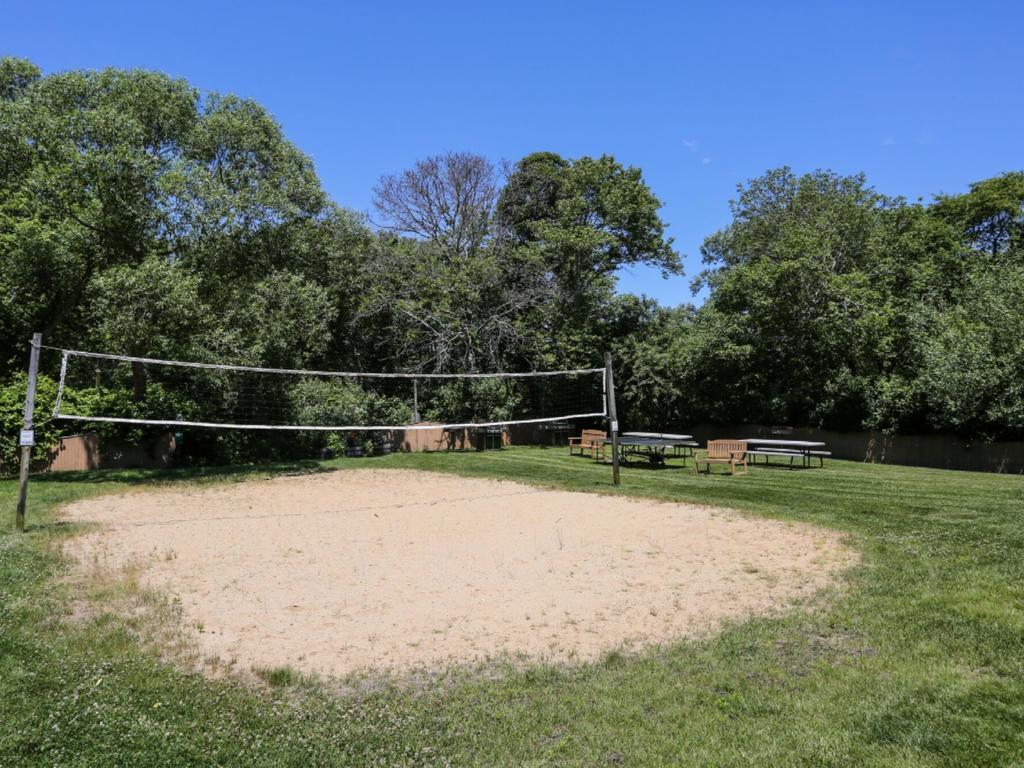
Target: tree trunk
(138, 382)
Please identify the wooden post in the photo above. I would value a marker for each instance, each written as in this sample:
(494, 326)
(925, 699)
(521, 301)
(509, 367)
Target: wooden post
(415, 402)
(26, 438)
(613, 419)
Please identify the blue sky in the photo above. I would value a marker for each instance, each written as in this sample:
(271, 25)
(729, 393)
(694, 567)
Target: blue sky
(924, 97)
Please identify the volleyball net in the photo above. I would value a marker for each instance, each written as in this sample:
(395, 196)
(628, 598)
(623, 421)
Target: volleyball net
(96, 387)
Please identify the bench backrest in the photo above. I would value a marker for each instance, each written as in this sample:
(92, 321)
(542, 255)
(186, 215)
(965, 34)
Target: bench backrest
(592, 436)
(723, 449)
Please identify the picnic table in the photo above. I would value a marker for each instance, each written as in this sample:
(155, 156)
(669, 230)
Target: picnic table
(805, 450)
(654, 446)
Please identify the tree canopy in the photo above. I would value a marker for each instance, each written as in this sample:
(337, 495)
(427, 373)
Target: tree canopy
(141, 216)
(833, 305)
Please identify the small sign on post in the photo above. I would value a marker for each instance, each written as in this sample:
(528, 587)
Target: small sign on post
(27, 437)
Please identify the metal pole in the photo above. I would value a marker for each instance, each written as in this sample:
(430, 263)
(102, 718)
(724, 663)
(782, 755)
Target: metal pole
(415, 402)
(27, 437)
(612, 415)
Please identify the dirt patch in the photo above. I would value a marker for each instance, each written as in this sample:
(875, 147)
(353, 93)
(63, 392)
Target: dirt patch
(394, 569)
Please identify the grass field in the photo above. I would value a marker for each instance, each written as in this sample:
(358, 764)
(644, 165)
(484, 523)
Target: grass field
(918, 660)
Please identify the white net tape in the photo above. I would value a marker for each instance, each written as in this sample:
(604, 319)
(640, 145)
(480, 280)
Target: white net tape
(135, 390)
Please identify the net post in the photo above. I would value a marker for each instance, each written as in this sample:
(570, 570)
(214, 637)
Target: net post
(26, 439)
(613, 418)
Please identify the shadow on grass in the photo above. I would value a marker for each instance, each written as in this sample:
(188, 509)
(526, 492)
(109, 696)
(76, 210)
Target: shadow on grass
(776, 465)
(650, 466)
(646, 465)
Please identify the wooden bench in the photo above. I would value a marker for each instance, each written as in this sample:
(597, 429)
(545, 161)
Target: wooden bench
(589, 440)
(731, 452)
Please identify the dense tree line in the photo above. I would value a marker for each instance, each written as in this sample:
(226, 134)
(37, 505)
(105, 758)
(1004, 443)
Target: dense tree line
(140, 216)
(833, 305)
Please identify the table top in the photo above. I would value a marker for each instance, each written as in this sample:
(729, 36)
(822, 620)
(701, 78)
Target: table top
(661, 435)
(784, 443)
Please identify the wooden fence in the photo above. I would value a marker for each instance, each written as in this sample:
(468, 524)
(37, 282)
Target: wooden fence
(87, 451)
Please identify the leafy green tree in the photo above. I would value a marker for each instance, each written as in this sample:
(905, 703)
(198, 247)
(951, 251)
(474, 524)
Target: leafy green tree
(791, 273)
(149, 310)
(652, 357)
(990, 216)
(99, 169)
(12, 409)
(131, 205)
(972, 367)
(586, 217)
(283, 322)
(833, 305)
(15, 76)
(573, 224)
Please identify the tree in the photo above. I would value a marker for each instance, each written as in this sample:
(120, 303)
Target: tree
(149, 310)
(790, 286)
(284, 322)
(425, 312)
(990, 216)
(572, 224)
(15, 76)
(100, 169)
(446, 199)
(587, 218)
(531, 194)
(832, 305)
(972, 359)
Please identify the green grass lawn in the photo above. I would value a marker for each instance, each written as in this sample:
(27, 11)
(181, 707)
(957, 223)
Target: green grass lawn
(917, 660)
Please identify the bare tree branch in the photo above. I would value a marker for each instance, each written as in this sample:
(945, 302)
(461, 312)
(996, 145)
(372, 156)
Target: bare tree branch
(446, 199)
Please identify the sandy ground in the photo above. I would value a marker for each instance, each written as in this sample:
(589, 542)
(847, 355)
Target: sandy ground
(397, 569)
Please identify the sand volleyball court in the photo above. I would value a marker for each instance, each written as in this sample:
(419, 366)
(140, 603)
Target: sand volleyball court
(398, 569)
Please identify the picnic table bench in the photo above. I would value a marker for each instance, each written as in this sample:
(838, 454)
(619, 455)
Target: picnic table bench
(805, 450)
